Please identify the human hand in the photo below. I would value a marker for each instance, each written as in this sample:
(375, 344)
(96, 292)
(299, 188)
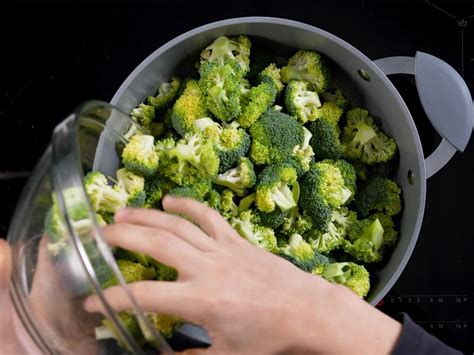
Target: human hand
(249, 300)
(50, 304)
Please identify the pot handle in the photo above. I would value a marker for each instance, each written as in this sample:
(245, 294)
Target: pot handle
(446, 101)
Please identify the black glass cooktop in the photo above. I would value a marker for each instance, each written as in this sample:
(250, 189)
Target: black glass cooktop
(56, 55)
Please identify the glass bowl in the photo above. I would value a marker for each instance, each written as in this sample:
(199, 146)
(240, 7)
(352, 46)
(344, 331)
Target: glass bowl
(59, 254)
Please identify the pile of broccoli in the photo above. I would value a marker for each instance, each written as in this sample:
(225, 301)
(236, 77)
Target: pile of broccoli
(282, 154)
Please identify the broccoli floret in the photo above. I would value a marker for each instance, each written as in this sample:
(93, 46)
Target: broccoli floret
(299, 252)
(209, 128)
(274, 138)
(272, 75)
(311, 201)
(301, 102)
(165, 324)
(144, 115)
(190, 106)
(163, 272)
(246, 202)
(128, 321)
(325, 141)
(349, 274)
(324, 242)
(247, 226)
(309, 66)
(363, 141)
(273, 187)
(233, 144)
(191, 160)
(303, 154)
(233, 51)
(348, 174)
(365, 239)
(222, 89)
(390, 234)
(329, 184)
(228, 206)
(294, 222)
(337, 97)
(167, 93)
(133, 185)
(331, 113)
(213, 199)
(139, 155)
(155, 189)
(258, 100)
(238, 179)
(103, 197)
(133, 272)
(186, 191)
(378, 194)
(273, 219)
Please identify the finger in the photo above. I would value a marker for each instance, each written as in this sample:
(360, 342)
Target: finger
(173, 224)
(5, 271)
(153, 296)
(157, 243)
(209, 219)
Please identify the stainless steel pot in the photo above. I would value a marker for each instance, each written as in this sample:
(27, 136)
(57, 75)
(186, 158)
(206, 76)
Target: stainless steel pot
(443, 93)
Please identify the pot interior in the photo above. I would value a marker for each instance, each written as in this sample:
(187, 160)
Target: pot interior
(353, 72)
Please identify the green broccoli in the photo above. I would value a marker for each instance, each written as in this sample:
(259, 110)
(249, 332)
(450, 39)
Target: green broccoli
(258, 100)
(275, 137)
(331, 113)
(272, 75)
(303, 154)
(128, 321)
(309, 66)
(273, 219)
(186, 191)
(104, 197)
(139, 155)
(246, 202)
(300, 253)
(301, 102)
(232, 51)
(390, 234)
(164, 323)
(191, 160)
(295, 222)
(133, 185)
(228, 207)
(348, 174)
(324, 242)
(213, 199)
(167, 93)
(337, 97)
(238, 179)
(144, 115)
(190, 106)
(363, 141)
(378, 194)
(364, 240)
(329, 184)
(155, 189)
(133, 272)
(351, 275)
(273, 187)
(209, 128)
(222, 90)
(325, 141)
(247, 225)
(233, 144)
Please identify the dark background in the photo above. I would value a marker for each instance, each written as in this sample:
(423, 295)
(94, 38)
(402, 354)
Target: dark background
(56, 55)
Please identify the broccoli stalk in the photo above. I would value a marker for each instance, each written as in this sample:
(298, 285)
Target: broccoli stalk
(239, 178)
(273, 187)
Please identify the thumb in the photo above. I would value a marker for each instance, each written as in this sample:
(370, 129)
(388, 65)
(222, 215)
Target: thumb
(5, 273)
